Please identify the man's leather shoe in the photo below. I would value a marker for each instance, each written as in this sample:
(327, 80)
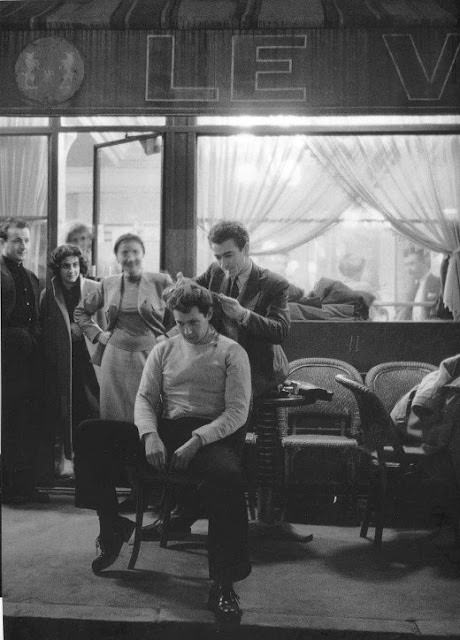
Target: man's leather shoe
(178, 530)
(224, 603)
(110, 545)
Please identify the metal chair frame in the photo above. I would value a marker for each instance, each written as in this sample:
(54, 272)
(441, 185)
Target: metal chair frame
(383, 449)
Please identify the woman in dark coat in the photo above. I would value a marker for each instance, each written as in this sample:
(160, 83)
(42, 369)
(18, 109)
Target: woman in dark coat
(71, 387)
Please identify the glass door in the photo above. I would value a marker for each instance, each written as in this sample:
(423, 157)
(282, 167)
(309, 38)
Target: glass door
(127, 198)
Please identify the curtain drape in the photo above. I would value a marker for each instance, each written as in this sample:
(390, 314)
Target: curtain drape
(23, 176)
(270, 183)
(413, 180)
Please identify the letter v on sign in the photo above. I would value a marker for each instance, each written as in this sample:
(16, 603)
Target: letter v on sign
(420, 80)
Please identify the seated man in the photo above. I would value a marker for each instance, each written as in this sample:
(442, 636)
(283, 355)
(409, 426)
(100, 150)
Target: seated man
(192, 403)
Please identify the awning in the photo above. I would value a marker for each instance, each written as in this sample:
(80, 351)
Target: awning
(228, 14)
(229, 56)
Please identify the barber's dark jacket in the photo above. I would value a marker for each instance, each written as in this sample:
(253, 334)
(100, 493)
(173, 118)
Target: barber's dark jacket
(265, 295)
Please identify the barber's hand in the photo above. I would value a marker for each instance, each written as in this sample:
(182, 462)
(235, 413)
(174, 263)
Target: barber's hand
(232, 308)
(183, 456)
(155, 451)
(179, 278)
(104, 337)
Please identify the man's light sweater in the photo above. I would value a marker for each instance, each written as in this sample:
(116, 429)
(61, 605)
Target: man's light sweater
(210, 380)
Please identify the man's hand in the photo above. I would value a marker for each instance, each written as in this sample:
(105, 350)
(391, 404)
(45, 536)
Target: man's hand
(232, 308)
(183, 456)
(104, 337)
(155, 451)
(180, 278)
(75, 332)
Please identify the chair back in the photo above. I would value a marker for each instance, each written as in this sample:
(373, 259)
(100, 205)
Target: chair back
(377, 428)
(391, 380)
(339, 416)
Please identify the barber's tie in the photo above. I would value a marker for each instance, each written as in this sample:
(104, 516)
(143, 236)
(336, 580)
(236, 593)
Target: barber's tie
(233, 290)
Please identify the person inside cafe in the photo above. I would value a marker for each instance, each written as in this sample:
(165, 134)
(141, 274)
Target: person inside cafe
(424, 286)
(190, 415)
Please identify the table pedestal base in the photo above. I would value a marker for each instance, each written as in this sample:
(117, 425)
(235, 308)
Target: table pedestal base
(268, 525)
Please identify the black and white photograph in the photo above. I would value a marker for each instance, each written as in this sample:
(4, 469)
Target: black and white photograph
(230, 319)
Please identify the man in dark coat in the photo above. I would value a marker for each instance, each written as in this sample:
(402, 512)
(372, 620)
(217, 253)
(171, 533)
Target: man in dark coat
(425, 286)
(253, 303)
(20, 367)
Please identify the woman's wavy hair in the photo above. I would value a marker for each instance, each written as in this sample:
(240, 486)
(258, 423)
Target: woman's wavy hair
(186, 295)
(64, 251)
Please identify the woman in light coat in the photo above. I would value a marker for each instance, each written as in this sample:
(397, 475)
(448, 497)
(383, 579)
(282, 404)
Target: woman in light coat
(135, 314)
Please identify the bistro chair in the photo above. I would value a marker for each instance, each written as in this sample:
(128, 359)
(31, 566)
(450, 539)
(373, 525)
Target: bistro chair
(380, 443)
(320, 447)
(142, 480)
(391, 380)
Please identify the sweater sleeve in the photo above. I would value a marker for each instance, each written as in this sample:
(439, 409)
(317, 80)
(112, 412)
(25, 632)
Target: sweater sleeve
(237, 398)
(148, 398)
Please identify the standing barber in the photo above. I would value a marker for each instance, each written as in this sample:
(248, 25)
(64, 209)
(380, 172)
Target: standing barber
(254, 304)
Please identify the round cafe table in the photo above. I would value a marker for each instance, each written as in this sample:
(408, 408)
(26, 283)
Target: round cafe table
(270, 425)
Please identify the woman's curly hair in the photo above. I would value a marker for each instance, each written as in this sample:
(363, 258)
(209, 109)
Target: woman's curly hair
(64, 251)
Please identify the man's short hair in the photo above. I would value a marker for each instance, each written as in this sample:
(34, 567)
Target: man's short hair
(78, 227)
(422, 254)
(11, 222)
(127, 237)
(351, 265)
(64, 251)
(228, 230)
(186, 295)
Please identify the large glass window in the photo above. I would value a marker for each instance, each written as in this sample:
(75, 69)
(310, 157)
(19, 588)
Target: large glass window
(24, 191)
(111, 182)
(376, 213)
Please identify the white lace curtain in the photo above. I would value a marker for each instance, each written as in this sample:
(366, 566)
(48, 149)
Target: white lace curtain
(23, 176)
(414, 181)
(24, 189)
(270, 183)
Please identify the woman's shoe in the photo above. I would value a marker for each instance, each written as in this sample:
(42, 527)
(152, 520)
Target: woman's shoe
(110, 545)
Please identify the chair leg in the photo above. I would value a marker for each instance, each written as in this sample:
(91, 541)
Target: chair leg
(139, 491)
(370, 503)
(380, 505)
(252, 501)
(167, 506)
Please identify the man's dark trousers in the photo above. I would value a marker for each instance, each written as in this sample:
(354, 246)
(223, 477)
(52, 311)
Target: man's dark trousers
(104, 447)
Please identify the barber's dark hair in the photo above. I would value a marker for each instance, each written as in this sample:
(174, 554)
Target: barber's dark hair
(19, 223)
(64, 251)
(127, 237)
(228, 230)
(186, 295)
(78, 227)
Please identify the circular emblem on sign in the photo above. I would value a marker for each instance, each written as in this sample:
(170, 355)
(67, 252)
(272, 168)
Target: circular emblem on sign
(49, 71)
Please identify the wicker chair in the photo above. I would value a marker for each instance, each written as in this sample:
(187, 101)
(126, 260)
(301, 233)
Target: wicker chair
(320, 448)
(391, 380)
(379, 441)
